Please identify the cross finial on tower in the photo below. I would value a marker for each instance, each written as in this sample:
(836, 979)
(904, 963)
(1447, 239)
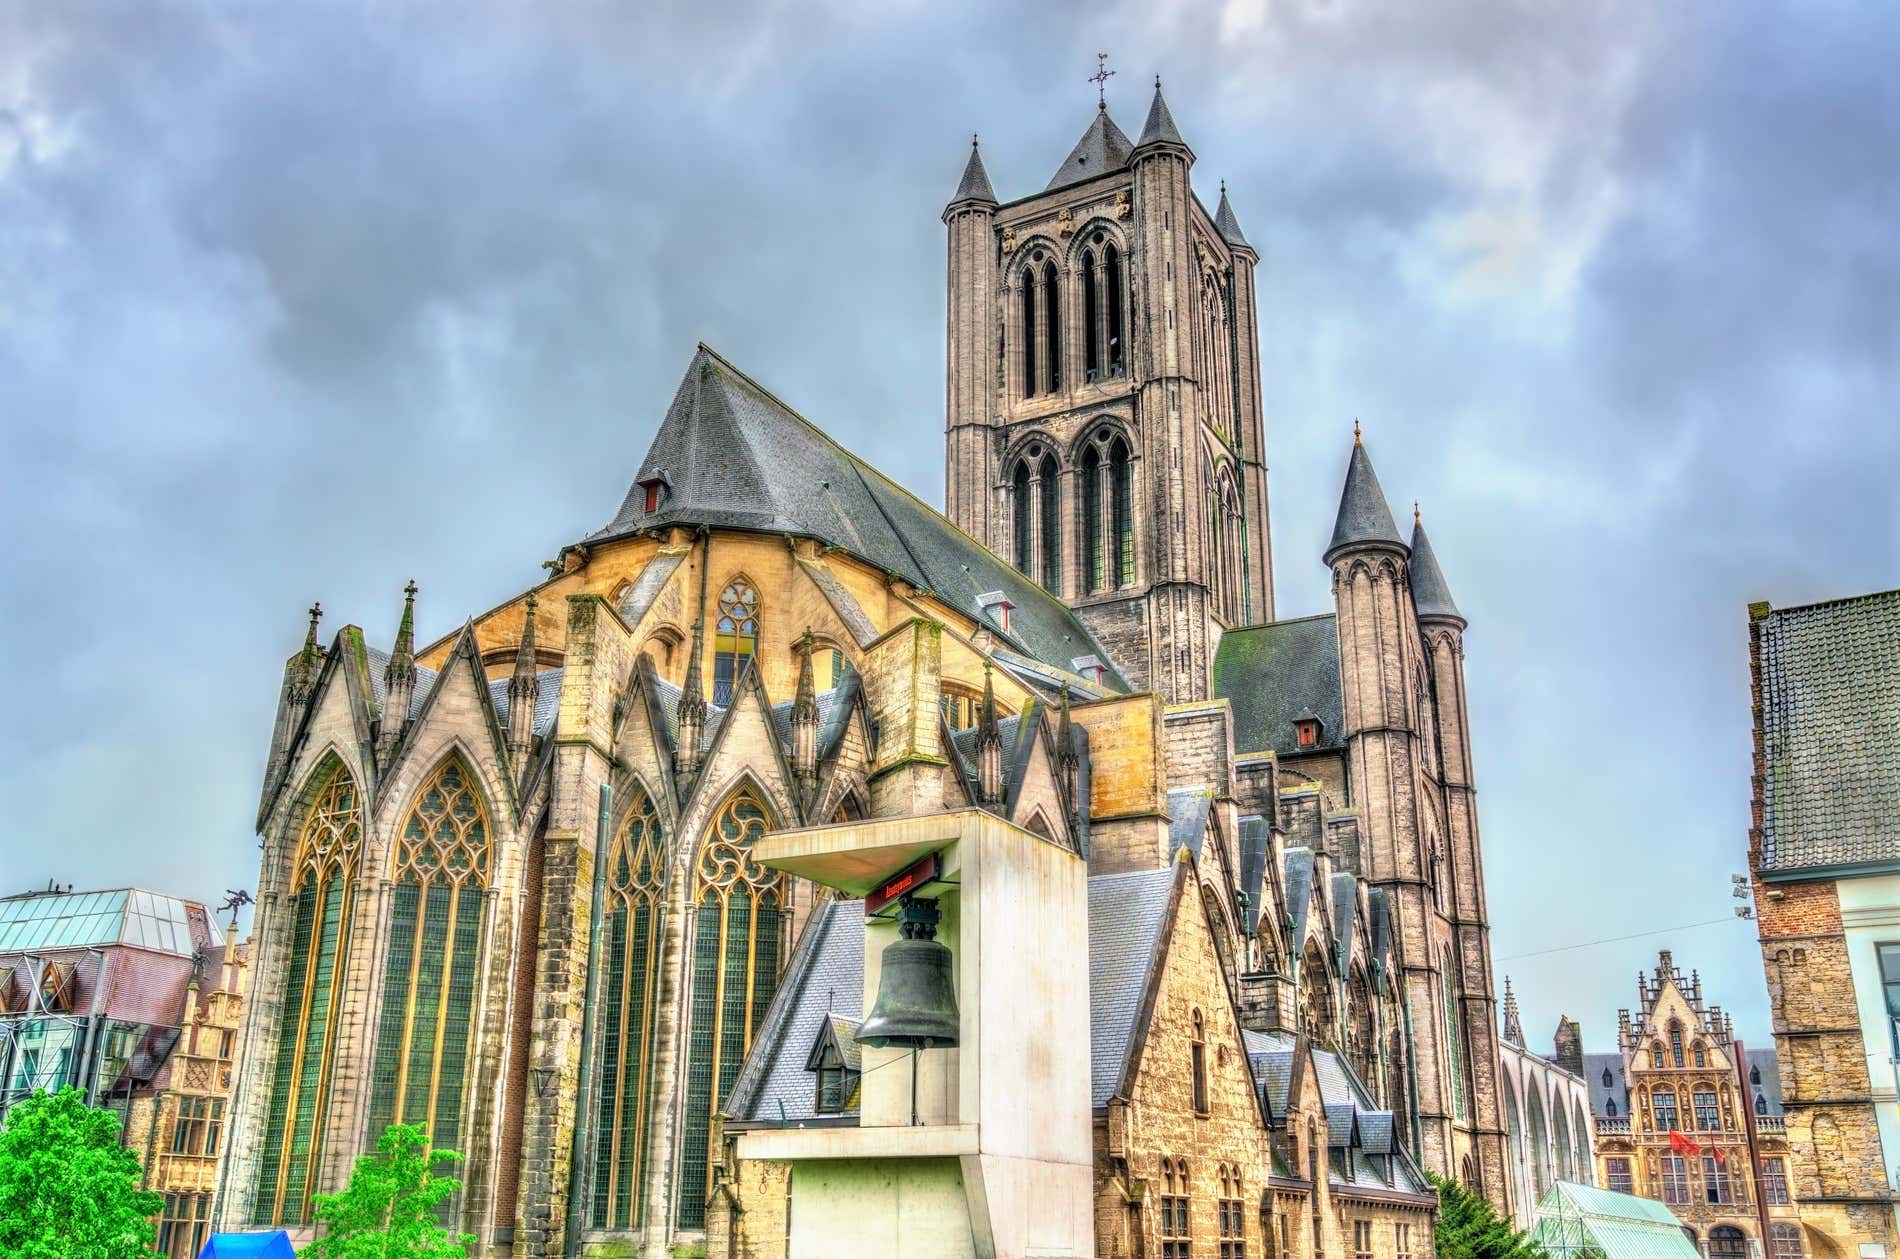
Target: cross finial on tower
(1100, 79)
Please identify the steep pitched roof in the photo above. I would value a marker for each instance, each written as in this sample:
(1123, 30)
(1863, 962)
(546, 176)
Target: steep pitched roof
(1126, 915)
(734, 456)
(1227, 225)
(1617, 1090)
(1276, 674)
(1363, 514)
(1101, 149)
(975, 184)
(1256, 845)
(1431, 597)
(1187, 818)
(1830, 734)
(1160, 128)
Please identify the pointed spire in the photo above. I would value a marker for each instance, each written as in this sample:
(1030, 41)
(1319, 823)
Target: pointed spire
(989, 746)
(1066, 760)
(691, 711)
(309, 658)
(399, 678)
(1431, 597)
(1364, 519)
(1160, 128)
(805, 723)
(1513, 1029)
(975, 185)
(1226, 224)
(524, 692)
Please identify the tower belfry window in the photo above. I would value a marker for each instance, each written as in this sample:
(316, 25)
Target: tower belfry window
(1029, 332)
(1091, 304)
(1052, 325)
(1112, 333)
(1036, 507)
(1108, 512)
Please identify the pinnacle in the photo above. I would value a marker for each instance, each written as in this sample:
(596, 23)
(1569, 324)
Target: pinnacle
(1431, 596)
(975, 185)
(1226, 224)
(1160, 128)
(1364, 518)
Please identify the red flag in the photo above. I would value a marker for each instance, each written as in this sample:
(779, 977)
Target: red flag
(1720, 1157)
(1681, 1144)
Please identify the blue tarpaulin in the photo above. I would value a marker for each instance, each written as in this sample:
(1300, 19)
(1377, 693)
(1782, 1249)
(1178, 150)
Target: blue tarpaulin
(248, 1246)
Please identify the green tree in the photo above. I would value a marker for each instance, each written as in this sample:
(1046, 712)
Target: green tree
(1468, 1227)
(68, 1189)
(388, 1210)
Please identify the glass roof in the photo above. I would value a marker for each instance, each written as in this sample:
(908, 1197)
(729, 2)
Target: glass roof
(81, 919)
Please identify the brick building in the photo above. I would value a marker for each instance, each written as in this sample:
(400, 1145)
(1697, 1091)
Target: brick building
(1685, 1114)
(136, 998)
(1824, 857)
(509, 888)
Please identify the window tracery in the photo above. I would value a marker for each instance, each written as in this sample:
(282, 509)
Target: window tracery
(1037, 507)
(1108, 511)
(635, 887)
(736, 635)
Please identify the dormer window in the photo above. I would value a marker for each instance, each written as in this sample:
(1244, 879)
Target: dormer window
(833, 1088)
(1090, 668)
(654, 488)
(995, 605)
(835, 1060)
(1306, 732)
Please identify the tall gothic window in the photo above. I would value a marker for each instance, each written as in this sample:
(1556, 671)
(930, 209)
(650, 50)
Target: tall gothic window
(734, 970)
(1037, 506)
(1052, 324)
(736, 637)
(1226, 543)
(1102, 332)
(1675, 1042)
(1029, 332)
(1112, 333)
(1108, 511)
(442, 864)
(1091, 317)
(1454, 1042)
(317, 920)
(630, 956)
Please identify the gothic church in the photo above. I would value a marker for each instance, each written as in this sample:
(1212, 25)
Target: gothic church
(507, 887)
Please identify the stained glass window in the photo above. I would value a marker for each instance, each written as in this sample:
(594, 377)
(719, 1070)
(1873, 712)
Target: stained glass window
(316, 916)
(734, 967)
(635, 885)
(735, 637)
(442, 863)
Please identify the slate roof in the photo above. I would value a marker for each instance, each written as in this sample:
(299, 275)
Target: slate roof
(1187, 818)
(824, 981)
(1101, 149)
(1126, 914)
(1360, 1135)
(1276, 674)
(1299, 890)
(1160, 128)
(975, 184)
(1363, 514)
(1226, 224)
(1830, 734)
(733, 456)
(1594, 1065)
(1430, 595)
(1256, 844)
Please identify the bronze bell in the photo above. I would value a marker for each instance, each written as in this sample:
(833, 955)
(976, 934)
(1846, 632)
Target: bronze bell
(916, 992)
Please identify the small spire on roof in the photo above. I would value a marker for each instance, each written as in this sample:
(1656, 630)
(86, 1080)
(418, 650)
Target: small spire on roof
(1160, 128)
(1226, 224)
(306, 671)
(975, 184)
(1356, 440)
(1364, 517)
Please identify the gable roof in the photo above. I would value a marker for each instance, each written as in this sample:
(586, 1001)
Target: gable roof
(1830, 734)
(1276, 674)
(734, 456)
(1101, 149)
(1127, 913)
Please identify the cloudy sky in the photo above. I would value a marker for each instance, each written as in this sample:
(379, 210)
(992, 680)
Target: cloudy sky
(301, 302)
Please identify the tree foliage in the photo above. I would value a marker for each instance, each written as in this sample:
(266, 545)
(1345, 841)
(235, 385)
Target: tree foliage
(388, 1210)
(1469, 1228)
(68, 1189)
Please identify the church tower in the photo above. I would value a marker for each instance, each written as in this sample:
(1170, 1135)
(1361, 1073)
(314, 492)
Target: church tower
(1103, 416)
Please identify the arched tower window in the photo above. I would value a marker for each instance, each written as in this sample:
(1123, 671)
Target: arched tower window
(736, 635)
(317, 920)
(1091, 317)
(1052, 324)
(1226, 544)
(630, 959)
(1036, 507)
(1029, 332)
(737, 905)
(1113, 337)
(442, 863)
(1108, 534)
(1454, 1040)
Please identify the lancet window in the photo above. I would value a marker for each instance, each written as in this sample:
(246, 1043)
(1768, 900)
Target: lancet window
(1039, 330)
(1454, 1040)
(316, 919)
(738, 906)
(630, 963)
(1108, 534)
(735, 637)
(443, 860)
(1227, 544)
(1102, 314)
(1037, 504)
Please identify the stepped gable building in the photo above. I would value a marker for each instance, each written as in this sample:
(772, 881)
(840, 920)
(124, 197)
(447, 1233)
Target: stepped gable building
(1685, 1114)
(1548, 1133)
(135, 998)
(509, 885)
(1824, 861)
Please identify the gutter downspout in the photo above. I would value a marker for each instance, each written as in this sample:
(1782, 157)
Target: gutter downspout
(582, 1130)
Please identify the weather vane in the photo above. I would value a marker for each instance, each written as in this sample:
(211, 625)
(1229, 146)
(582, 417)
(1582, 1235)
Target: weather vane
(1100, 79)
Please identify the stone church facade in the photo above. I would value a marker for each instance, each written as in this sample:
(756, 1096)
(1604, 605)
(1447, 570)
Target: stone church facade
(507, 888)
